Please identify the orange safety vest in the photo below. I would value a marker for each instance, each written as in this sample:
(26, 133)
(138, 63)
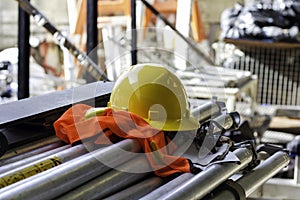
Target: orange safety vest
(72, 127)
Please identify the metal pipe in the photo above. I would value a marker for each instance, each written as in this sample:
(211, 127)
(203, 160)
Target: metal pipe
(24, 54)
(112, 181)
(31, 153)
(92, 29)
(65, 177)
(228, 121)
(38, 166)
(263, 172)
(206, 111)
(260, 174)
(30, 159)
(138, 190)
(204, 182)
(29, 147)
(168, 187)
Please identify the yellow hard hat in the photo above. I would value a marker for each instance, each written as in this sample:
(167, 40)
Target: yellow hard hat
(156, 94)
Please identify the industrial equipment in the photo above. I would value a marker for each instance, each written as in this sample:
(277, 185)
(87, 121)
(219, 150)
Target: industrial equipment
(82, 176)
(56, 170)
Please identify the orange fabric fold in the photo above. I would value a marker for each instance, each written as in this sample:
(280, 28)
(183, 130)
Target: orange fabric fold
(72, 127)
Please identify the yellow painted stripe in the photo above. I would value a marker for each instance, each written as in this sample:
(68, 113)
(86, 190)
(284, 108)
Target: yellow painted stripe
(29, 171)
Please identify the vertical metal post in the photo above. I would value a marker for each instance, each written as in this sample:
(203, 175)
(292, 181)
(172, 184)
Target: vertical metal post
(92, 34)
(133, 33)
(92, 30)
(24, 54)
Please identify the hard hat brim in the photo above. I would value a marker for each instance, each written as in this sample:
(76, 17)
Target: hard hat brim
(176, 125)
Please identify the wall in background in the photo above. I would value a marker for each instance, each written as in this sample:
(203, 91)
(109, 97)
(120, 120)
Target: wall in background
(57, 13)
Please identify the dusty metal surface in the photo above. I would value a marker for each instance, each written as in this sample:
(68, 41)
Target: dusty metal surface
(54, 104)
